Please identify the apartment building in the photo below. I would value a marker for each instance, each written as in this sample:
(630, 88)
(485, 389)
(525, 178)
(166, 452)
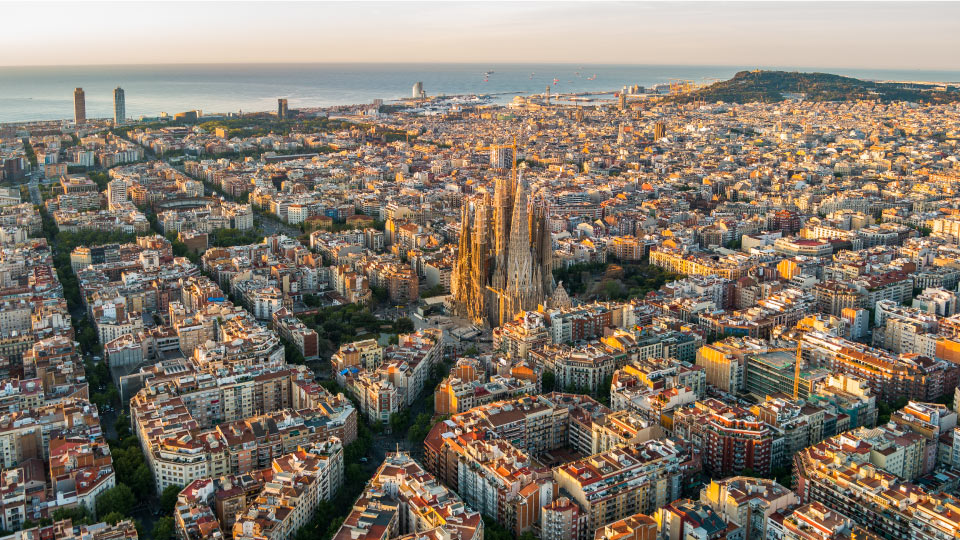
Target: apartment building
(518, 337)
(502, 482)
(584, 368)
(849, 475)
(394, 382)
(890, 377)
(621, 482)
(656, 387)
(193, 425)
(402, 499)
(732, 439)
(468, 385)
(747, 502)
(273, 502)
(300, 480)
(685, 519)
(636, 527)
(66, 530)
(562, 520)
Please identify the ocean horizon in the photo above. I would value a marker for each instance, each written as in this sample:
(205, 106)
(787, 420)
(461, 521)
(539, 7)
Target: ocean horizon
(32, 93)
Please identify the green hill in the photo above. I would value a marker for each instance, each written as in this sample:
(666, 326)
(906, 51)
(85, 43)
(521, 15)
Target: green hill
(748, 86)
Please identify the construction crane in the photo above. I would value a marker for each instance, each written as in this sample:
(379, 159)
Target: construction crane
(500, 295)
(796, 370)
(681, 86)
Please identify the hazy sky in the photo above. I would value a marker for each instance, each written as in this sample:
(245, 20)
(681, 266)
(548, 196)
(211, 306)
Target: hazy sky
(807, 34)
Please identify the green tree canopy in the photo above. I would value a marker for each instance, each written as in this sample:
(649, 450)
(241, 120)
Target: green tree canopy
(168, 499)
(163, 529)
(119, 498)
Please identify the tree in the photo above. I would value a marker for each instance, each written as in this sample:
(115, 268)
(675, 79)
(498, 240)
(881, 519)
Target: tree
(119, 498)
(399, 421)
(123, 426)
(142, 480)
(436, 290)
(603, 393)
(548, 382)
(163, 529)
(168, 499)
(89, 340)
(380, 294)
(79, 515)
(403, 325)
(292, 353)
(114, 517)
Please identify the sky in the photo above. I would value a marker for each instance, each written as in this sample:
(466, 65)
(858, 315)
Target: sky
(886, 35)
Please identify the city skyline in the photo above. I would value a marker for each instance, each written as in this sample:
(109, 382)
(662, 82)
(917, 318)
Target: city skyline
(827, 35)
(480, 271)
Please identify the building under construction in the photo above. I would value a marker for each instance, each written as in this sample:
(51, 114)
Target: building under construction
(504, 262)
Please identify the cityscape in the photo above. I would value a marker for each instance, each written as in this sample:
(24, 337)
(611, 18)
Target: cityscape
(541, 299)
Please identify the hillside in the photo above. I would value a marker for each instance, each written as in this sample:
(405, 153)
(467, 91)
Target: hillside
(748, 86)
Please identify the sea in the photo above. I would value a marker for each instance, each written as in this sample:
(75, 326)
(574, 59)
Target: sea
(46, 93)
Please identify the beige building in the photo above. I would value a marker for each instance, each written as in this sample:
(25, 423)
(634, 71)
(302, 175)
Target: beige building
(747, 502)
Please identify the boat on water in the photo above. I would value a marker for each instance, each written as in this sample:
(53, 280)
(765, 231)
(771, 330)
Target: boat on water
(592, 78)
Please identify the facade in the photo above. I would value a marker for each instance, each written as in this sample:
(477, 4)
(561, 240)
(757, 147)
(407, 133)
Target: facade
(232, 425)
(119, 106)
(402, 499)
(747, 502)
(685, 519)
(79, 107)
(562, 520)
(616, 484)
(635, 527)
(732, 439)
(385, 382)
(269, 503)
(504, 259)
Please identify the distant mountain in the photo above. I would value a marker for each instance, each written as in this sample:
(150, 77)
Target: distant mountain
(748, 86)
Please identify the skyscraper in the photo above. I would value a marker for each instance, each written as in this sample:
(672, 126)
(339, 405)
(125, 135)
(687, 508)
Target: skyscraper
(119, 106)
(418, 92)
(282, 111)
(79, 106)
(504, 263)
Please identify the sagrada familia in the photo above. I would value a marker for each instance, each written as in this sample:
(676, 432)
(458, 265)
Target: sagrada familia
(504, 262)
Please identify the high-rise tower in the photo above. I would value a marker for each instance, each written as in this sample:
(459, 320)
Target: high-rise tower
(79, 107)
(283, 112)
(119, 106)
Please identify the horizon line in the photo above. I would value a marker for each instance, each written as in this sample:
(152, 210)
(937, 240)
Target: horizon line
(508, 63)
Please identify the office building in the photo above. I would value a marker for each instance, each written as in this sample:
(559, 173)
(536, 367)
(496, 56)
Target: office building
(283, 113)
(119, 106)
